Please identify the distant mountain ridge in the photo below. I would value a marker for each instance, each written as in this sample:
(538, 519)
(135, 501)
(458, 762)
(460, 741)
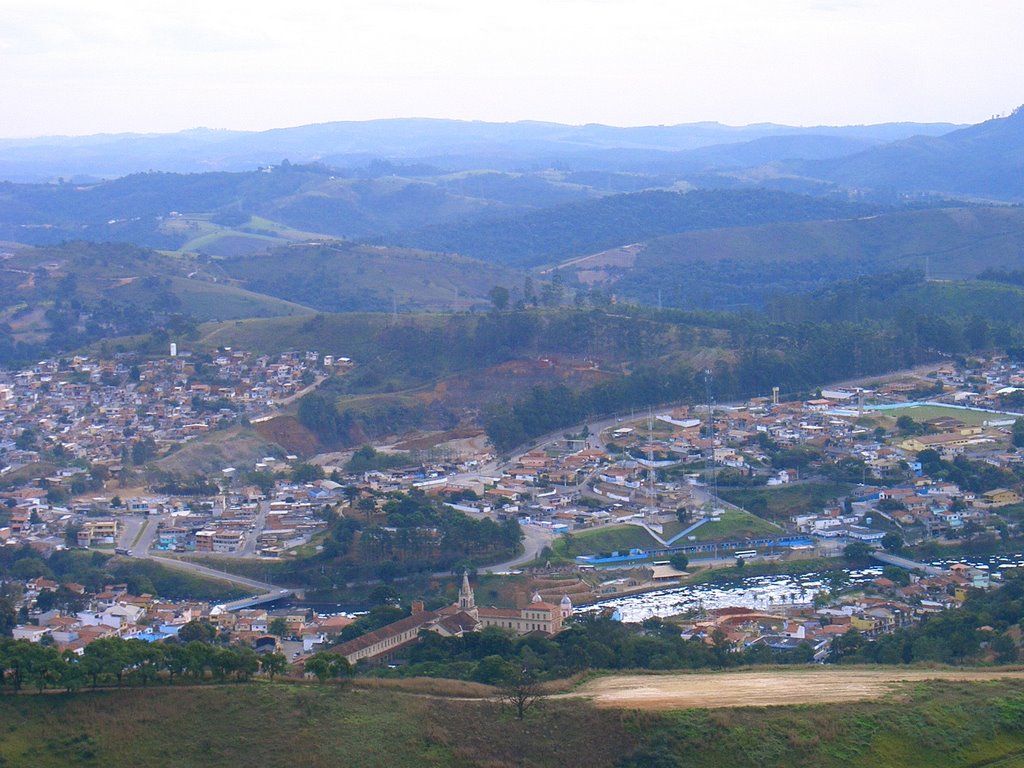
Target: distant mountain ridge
(461, 144)
(984, 161)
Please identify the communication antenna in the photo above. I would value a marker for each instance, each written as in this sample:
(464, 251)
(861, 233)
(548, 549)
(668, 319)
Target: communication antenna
(709, 465)
(650, 458)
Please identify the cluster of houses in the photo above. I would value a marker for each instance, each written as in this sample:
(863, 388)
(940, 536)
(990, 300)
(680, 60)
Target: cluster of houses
(94, 409)
(81, 618)
(246, 520)
(625, 481)
(880, 607)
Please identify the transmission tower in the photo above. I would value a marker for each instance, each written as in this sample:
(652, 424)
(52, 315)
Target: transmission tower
(709, 465)
(650, 459)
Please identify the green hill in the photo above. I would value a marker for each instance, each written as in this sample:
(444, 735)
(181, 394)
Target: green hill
(196, 210)
(933, 725)
(344, 277)
(742, 266)
(555, 234)
(57, 298)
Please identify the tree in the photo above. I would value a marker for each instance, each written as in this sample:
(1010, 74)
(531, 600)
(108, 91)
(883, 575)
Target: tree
(857, 550)
(327, 665)
(499, 297)
(273, 664)
(307, 473)
(907, 426)
(679, 561)
(8, 616)
(203, 631)
(1018, 433)
(494, 670)
(110, 658)
(143, 450)
(1004, 648)
(278, 626)
(892, 542)
(521, 692)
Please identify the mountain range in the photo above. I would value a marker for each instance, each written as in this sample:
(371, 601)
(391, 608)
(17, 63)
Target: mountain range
(450, 144)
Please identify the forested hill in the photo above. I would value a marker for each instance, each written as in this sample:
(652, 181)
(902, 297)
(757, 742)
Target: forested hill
(737, 267)
(578, 229)
(983, 160)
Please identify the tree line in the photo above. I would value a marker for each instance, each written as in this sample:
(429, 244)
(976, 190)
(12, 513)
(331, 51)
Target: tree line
(133, 662)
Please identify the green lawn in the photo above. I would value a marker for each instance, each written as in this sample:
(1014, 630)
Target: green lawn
(735, 524)
(779, 503)
(621, 538)
(922, 413)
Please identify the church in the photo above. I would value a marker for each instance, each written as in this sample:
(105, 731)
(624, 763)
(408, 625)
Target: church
(454, 621)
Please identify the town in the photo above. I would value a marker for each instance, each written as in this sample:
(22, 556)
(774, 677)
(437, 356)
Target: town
(917, 459)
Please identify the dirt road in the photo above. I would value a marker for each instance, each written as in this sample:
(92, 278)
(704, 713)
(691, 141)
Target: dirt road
(764, 689)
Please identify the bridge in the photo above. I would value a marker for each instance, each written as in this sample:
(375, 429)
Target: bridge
(250, 602)
(265, 593)
(910, 565)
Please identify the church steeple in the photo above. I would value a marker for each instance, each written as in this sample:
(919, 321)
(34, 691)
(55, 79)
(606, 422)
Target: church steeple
(467, 601)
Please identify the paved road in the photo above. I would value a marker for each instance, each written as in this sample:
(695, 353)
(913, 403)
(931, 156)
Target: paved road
(130, 527)
(203, 570)
(910, 565)
(248, 548)
(142, 549)
(535, 539)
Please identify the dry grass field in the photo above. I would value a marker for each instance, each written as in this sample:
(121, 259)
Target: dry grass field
(767, 688)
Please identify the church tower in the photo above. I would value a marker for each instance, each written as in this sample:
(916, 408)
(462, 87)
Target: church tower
(467, 602)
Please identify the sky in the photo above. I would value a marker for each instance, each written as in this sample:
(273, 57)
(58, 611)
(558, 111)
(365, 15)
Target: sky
(69, 67)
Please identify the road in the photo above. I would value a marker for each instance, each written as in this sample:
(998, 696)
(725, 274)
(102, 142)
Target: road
(248, 548)
(140, 532)
(320, 379)
(203, 570)
(534, 540)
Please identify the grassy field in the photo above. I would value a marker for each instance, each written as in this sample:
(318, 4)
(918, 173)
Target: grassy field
(621, 538)
(922, 413)
(212, 301)
(782, 502)
(735, 524)
(936, 724)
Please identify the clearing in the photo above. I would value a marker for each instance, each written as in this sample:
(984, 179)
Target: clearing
(767, 688)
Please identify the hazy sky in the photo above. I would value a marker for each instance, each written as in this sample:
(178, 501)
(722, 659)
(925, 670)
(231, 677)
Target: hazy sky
(73, 67)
